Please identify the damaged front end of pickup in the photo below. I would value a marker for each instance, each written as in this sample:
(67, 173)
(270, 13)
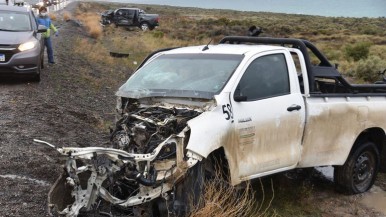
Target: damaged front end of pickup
(147, 159)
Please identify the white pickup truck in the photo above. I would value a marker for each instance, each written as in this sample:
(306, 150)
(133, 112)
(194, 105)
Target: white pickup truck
(258, 105)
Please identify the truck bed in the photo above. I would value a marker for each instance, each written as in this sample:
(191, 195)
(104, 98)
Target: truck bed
(328, 81)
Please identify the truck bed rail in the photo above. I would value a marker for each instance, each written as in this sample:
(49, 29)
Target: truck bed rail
(323, 70)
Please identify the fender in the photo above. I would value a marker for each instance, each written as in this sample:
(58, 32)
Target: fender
(211, 130)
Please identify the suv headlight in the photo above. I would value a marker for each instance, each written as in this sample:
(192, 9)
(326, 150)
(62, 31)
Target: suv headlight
(27, 46)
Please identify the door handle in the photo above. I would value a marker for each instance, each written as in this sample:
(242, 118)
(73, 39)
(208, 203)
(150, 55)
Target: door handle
(294, 107)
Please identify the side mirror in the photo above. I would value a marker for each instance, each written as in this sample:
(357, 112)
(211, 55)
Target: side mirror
(42, 29)
(239, 98)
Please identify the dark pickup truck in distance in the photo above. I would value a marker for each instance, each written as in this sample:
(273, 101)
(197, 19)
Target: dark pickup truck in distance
(130, 17)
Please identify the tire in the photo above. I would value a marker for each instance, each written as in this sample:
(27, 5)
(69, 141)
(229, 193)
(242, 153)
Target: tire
(144, 26)
(42, 62)
(36, 77)
(189, 193)
(358, 173)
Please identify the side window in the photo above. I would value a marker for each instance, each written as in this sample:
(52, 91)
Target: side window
(120, 12)
(298, 67)
(265, 77)
(131, 14)
(34, 21)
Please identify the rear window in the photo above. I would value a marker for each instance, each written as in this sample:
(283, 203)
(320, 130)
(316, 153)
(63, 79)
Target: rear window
(14, 21)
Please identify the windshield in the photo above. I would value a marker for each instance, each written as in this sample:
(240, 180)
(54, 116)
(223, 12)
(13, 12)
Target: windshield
(182, 75)
(14, 21)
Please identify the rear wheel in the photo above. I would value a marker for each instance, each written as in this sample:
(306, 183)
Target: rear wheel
(358, 174)
(145, 26)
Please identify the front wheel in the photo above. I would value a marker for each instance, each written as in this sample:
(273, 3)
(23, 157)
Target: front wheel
(190, 190)
(36, 77)
(190, 193)
(358, 174)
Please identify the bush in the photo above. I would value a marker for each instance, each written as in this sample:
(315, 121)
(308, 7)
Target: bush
(91, 23)
(358, 51)
(222, 199)
(367, 69)
(52, 16)
(66, 16)
(158, 34)
(223, 21)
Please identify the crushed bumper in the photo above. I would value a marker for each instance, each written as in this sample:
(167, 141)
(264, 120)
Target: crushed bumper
(91, 172)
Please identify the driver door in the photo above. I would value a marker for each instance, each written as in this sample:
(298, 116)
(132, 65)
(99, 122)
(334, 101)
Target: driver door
(121, 17)
(269, 116)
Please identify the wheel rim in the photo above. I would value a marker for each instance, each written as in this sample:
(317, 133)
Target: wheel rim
(364, 171)
(144, 27)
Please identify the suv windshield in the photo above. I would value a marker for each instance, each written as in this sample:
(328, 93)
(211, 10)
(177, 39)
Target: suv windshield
(182, 75)
(14, 21)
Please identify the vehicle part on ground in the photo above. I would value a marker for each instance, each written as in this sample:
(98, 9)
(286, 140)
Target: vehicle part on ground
(358, 174)
(119, 55)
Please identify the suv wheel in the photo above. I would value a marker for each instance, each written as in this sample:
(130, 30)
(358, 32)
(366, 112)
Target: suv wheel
(36, 77)
(42, 62)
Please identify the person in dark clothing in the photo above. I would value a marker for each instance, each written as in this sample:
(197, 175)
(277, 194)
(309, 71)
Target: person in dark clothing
(44, 19)
(254, 31)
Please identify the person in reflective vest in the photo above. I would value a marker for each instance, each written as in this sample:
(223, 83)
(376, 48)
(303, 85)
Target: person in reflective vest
(44, 19)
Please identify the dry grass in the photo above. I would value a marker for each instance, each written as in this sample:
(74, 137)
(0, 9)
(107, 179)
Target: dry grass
(91, 23)
(97, 55)
(222, 199)
(94, 51)
(52, 16)
(190, 26)
(67, 16)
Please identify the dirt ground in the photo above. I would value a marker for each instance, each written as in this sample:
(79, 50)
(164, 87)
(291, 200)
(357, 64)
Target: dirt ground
(66, 112)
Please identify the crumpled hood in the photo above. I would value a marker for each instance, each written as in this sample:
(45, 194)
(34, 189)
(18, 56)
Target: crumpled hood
(12, 38)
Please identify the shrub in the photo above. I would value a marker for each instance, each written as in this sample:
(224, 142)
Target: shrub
(66, 16)
(222, 199)
(91, 22)
(52, 16)
(223, 21)
(367, 69)
(158, 34)
(357, 51)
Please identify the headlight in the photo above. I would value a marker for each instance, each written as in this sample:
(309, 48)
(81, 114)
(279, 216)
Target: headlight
(27, 46)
